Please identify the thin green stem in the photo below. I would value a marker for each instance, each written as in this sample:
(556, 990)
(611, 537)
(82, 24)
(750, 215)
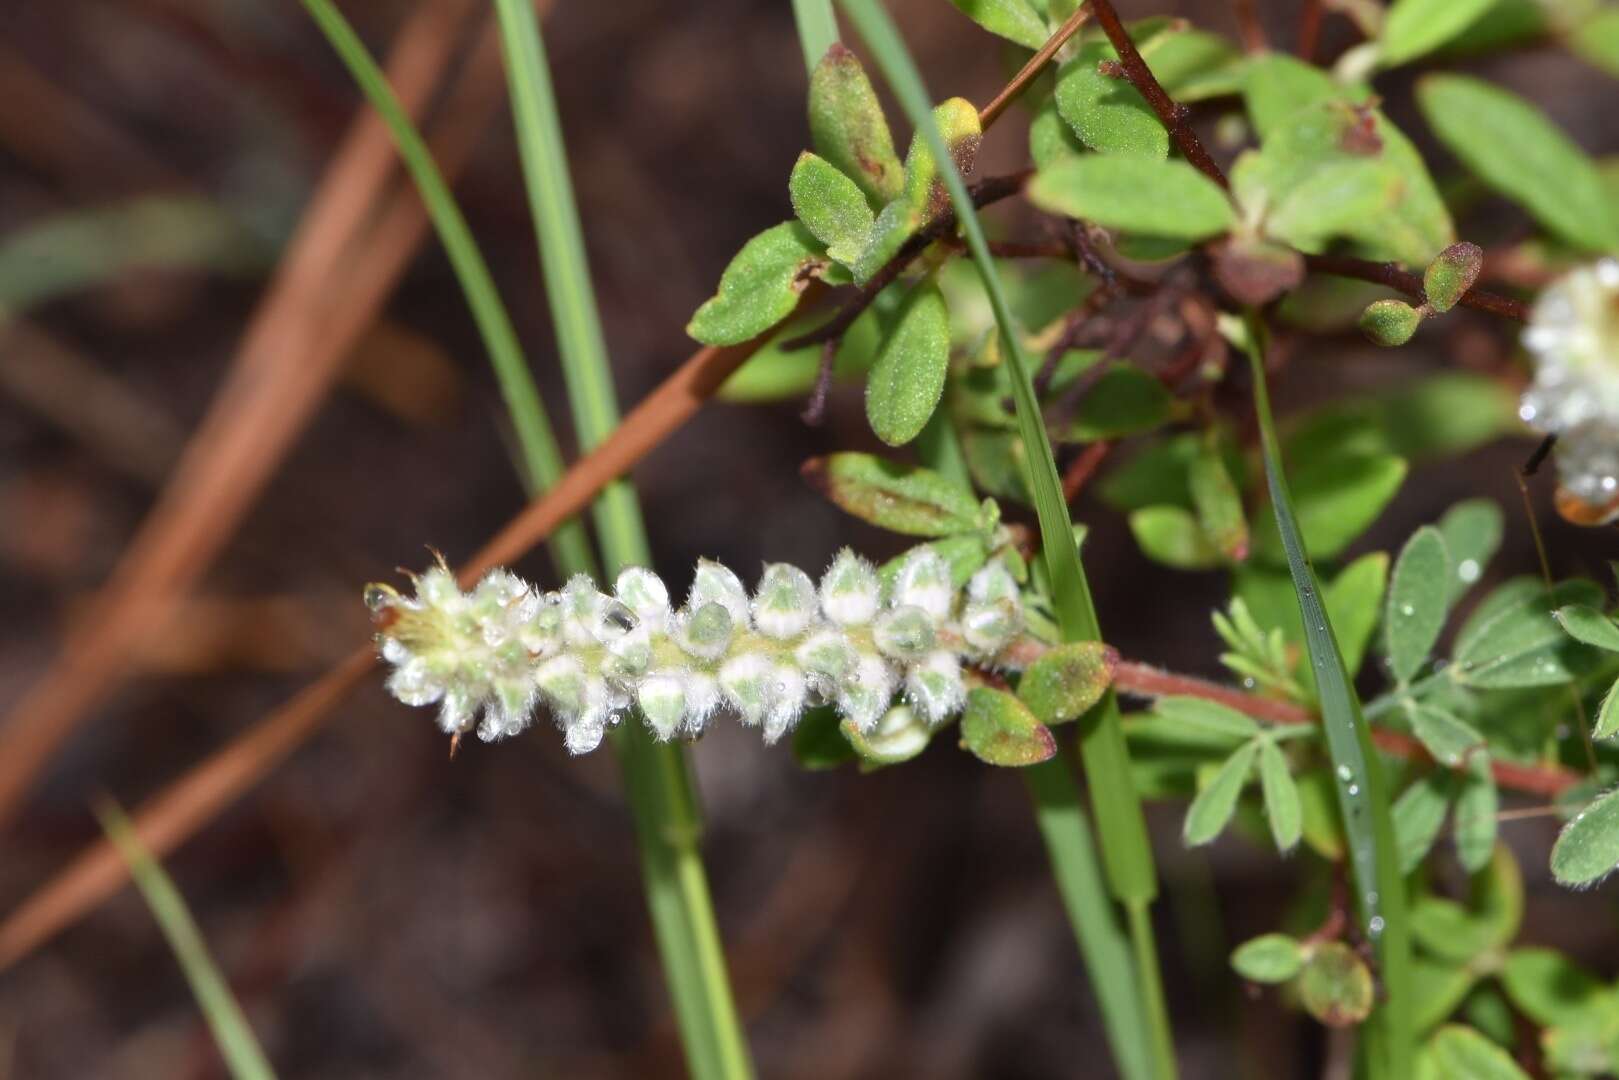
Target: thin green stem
(541, 456)
(1126, 850)
(657, 775)
(817, 28)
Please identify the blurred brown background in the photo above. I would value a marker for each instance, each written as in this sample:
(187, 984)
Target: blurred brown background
(381, 912)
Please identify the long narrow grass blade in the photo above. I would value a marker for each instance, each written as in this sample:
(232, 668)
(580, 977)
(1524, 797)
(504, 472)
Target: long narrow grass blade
(1126, 850)
(534, 434)
(1363, 794)
(657, 776)
(817, 28)
(237, 1044)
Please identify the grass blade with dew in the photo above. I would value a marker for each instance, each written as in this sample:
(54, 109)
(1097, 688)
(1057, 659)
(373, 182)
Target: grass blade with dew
(542, 459)
(817, 28)
(1126, 850)
(1363, 792)
(237, 1045)
(657, 775)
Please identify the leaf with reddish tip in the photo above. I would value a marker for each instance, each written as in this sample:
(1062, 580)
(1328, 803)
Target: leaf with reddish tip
(848, 127)
(1336, 985)
(998, 729)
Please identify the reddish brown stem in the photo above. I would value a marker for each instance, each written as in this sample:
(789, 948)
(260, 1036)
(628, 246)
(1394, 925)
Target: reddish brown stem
(1026, 75)
(1082, 468)
(1141, 77)
(1146, 681)
(1411, 284)
(1253, 32)
(1309, 30)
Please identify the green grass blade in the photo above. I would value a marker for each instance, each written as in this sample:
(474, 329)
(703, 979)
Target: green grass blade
(1126, 850)
(657, 776)
(817, 28)
(237, 1044)
(1363, 792)
(580, 341)
(541, 456)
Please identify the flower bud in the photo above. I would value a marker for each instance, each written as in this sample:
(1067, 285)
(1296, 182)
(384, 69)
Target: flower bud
(788, 696)
(662, 698)
(581, 610)
(866, 692)
(746, 682)
(644, 593)
(924, 581)
(903, 633)
(993, 582)
(850, 592)
(705, 632)
(703, 697)
(990, 627)
(715, 584)
(456, 711)
(562, 680)
(934, 686)
(784, 603)
(826, 657)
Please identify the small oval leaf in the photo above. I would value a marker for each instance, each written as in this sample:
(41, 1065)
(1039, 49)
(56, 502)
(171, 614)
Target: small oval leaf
(1269, 958)
(1460, 1053)
(1209, 813)
(831, 206)
(900, 498)
(1585, 623)
(848, 127)
(1418, 598)
(1336, 985)
(760, 287)
(1588, 847)
(1154, 198)
(1109, 115)
(1281, 796)
(1066, 681)
(998, 729)
(907, 381)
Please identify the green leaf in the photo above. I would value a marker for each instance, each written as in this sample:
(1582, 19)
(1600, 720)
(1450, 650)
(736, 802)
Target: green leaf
(957, 121)
(1587, 624)
(1203, 723)
(1050, 137)
(1388, 322)
(1275, 86)
(848, 127)
(900, 498)
(1418, 815)
(1445, 415)
(1330, 170)
(1476, 809)
(1596, 40)
(1172, 536)
(760, 287)
(1155, 198)
(1269, 958)
(1550, 988)
(818, 742)
(230, 1029)
(899, 736)
(1460, 1053)
(1516, 149)
(1323, 830)
(963, 554)
(1281, 796)
(1449, 739)
(998, 729)
(1193, 65)
(1210, 812)
(1472, 532)
(1415, 27)
(1419, 597)
(1607, 721)
(908, 378)
(1013, 20)
(1521, 644)
(1218, 503)
(1109, 115)
(1066, 681)
(831, 206)
(1448, 930)
(1336, 498)
(1353, 600)
(1124, 401)
(1451, 274)
(1439, 990)
(1335, 985)
(1588, 847)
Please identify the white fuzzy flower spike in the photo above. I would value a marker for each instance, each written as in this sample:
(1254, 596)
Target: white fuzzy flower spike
(491, 657)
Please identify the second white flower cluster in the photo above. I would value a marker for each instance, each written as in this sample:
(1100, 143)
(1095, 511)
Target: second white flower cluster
(490, 657)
